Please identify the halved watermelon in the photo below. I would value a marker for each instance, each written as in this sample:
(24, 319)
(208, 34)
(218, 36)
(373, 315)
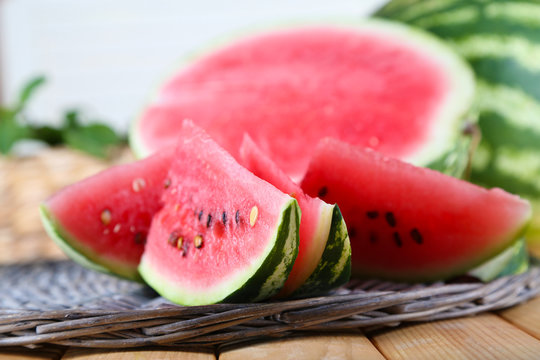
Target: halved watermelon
(410, 223)
(223, 235)
(324, 252)
(374, 84)
(102, 222)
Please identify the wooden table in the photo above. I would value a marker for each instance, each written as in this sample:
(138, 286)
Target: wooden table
(510, 334)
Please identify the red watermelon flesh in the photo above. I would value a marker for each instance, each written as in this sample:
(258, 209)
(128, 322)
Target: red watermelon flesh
(410, 223)
(375, 85)
(223, 233)
(314, 231)
(103, 221)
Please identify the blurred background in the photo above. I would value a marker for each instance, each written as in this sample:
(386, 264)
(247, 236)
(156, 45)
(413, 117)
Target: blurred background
(106, 57)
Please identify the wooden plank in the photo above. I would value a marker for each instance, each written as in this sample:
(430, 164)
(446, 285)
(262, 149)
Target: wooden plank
(20, 353)
(343, 347)
(525, 316)
(482, 337)
(139, 354)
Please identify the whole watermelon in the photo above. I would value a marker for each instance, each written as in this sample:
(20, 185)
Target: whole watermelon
(501, 41)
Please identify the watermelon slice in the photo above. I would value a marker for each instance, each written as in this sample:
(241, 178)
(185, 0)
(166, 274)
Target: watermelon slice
(223, 235)
(375, 84)
(102, 222)
(324, 252)
(410, 223)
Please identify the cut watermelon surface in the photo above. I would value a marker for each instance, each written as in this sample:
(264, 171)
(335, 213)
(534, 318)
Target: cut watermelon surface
(410, 223)
(324, 252)
(376, 84)
(102, 222)
(223, 235)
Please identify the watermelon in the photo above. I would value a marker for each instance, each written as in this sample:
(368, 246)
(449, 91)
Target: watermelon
(102, 222)
(375, 84)
(501, 41)
(409, 223)
(324, 252)
(223, 234)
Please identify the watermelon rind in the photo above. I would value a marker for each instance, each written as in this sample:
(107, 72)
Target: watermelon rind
(81, 254)
(446, 147)
(512, 261)
(334, 268)
(501, 41)
(261, 280)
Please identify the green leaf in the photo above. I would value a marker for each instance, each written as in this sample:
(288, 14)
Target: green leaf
(10, 133)
(28, 91)
(95, 139)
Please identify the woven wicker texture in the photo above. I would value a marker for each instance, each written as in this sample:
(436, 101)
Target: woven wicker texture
(64, 304)
(58, 302)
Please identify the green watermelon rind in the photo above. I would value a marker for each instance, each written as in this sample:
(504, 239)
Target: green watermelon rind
(82, 254)
(334, 269)
(512, 261)
(263, 279)
(444, 152)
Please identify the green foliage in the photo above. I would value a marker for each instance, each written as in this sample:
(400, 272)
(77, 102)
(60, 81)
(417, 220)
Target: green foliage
(94, 138)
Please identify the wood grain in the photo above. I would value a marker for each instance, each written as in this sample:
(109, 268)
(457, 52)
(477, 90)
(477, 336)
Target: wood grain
(136, 354)
(344, 347)
(525, 316)
(20, 353)
(482, 337)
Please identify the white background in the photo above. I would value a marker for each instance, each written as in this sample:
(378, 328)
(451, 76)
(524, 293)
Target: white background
(107, 56)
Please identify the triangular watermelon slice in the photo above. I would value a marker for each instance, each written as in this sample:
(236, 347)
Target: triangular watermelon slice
(102, 222)
(223, 235)
(410, 223)
(324, 253)
(372, 84)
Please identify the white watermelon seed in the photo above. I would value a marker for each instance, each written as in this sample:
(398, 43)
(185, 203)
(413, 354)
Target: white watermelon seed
(198, 241)
(117, 228)
(138, 184)
(253, 215)
(106, 217)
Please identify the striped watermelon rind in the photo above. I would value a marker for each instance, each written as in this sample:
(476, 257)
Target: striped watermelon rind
(334, 269)
(263, 279)
(501, 41)
(81, 254)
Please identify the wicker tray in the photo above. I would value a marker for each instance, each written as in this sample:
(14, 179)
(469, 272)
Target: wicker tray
(59, 302)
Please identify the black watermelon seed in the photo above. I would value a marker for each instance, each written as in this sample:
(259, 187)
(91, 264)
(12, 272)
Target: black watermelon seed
(390, 219)
(322, 192)
(200, 215)
(173, 238)
(372, 214)
(139, 238)
(237, 216)
(397, 239)
(224, 218)
(352, 232)
(372, 237)
(209, 220)
(416, 236)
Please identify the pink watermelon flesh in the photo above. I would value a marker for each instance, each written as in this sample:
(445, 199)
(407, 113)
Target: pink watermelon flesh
(103, 221)
(290, 88)
(315, 220)
(410, 223)
(219, 226)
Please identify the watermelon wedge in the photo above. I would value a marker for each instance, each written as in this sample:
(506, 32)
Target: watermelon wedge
(501, 42)
(374, 84)
(223, 235)
(409, 223)
(324, 252)
(102, 222)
